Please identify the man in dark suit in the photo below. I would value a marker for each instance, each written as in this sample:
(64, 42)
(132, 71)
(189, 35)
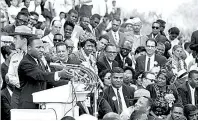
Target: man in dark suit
(122, 57)
(189, 90)
(6, 94)
(155, 34)
(150, 60)
(32, 74)
(118, 96)
(107, 61)
(101, 44)
(116, 38)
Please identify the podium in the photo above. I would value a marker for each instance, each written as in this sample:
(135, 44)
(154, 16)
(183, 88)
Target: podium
(56, 102)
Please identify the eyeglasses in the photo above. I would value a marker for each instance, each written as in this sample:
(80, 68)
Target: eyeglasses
(155, 27)
(110, 52)
(58, 40)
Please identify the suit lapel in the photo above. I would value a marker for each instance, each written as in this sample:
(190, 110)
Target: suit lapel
(125, 93)
(107, 63)
(188, 88)
(112, 95)
(113, 40)
(143, 62)
(8, 95)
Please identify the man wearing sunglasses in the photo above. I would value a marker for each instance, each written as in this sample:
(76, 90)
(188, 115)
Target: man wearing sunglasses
(21, 19)
(122, 57)
(155, 34)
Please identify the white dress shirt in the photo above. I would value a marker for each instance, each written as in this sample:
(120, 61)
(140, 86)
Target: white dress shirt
(192, 91)
(116, 37)
(152, 59)
(124, 107)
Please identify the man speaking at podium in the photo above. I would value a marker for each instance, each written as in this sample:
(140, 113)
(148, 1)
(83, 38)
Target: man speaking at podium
(33, 75)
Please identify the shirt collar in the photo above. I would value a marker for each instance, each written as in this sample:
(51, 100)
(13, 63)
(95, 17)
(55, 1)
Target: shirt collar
(10, 91)
(115, 89)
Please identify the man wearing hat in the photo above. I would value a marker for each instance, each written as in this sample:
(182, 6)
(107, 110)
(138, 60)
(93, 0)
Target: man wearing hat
(21, 34)
(189, 90)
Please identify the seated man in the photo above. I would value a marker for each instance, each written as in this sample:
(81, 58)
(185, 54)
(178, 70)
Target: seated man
(122, 57)
(191, 112)
(118, 95)
(177, 112)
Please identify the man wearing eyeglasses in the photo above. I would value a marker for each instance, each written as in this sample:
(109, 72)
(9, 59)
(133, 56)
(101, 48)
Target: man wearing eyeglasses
(21, 19)
(107, 61)
(150, 60)
(122, 57)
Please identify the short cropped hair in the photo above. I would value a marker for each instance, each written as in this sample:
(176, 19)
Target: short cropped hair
(109, 45)
(186, 45)
(140, 49)
(61, 44)
(95, 16)
(117, 70)
(22, 13)
(192, 72)
(72, 11)
(177, 105)
(117, 19)
(69, 23)
(150, 39)
(31, 39)
(144, 74)
(104, 37)
(174, 30)
(162, 22)
(34, 13)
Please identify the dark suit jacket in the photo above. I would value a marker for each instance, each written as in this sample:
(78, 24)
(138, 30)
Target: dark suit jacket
(32, 79)
(103, 64)
(184, 92)
(5, 104)
(194, 37)
(140, 63)
(128, 61)
(128, 93)
(4, 71)
(121, 38)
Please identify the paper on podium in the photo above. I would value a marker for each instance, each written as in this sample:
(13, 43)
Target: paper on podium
(61, 94)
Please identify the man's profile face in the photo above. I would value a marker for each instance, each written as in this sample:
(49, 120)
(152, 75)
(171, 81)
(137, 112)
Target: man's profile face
(62, 53)
(194, 80)
(148, 80)
(18, 41)
(177, 112)
(117, 79)
(111, 53)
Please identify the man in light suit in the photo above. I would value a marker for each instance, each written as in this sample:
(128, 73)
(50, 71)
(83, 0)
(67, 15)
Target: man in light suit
(118, 96)
(150, 60)
(116, 38)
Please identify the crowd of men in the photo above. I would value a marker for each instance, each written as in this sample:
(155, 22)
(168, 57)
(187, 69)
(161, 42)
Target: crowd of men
(145, 77)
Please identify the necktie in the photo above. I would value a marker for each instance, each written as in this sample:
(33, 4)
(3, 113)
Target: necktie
(116, 39)
(148, 65)
(119, 102)
(42, 67)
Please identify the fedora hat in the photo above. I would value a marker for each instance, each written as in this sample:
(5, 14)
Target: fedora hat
(22, 30)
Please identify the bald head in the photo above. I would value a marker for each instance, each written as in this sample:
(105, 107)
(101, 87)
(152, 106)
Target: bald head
(56, 26)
